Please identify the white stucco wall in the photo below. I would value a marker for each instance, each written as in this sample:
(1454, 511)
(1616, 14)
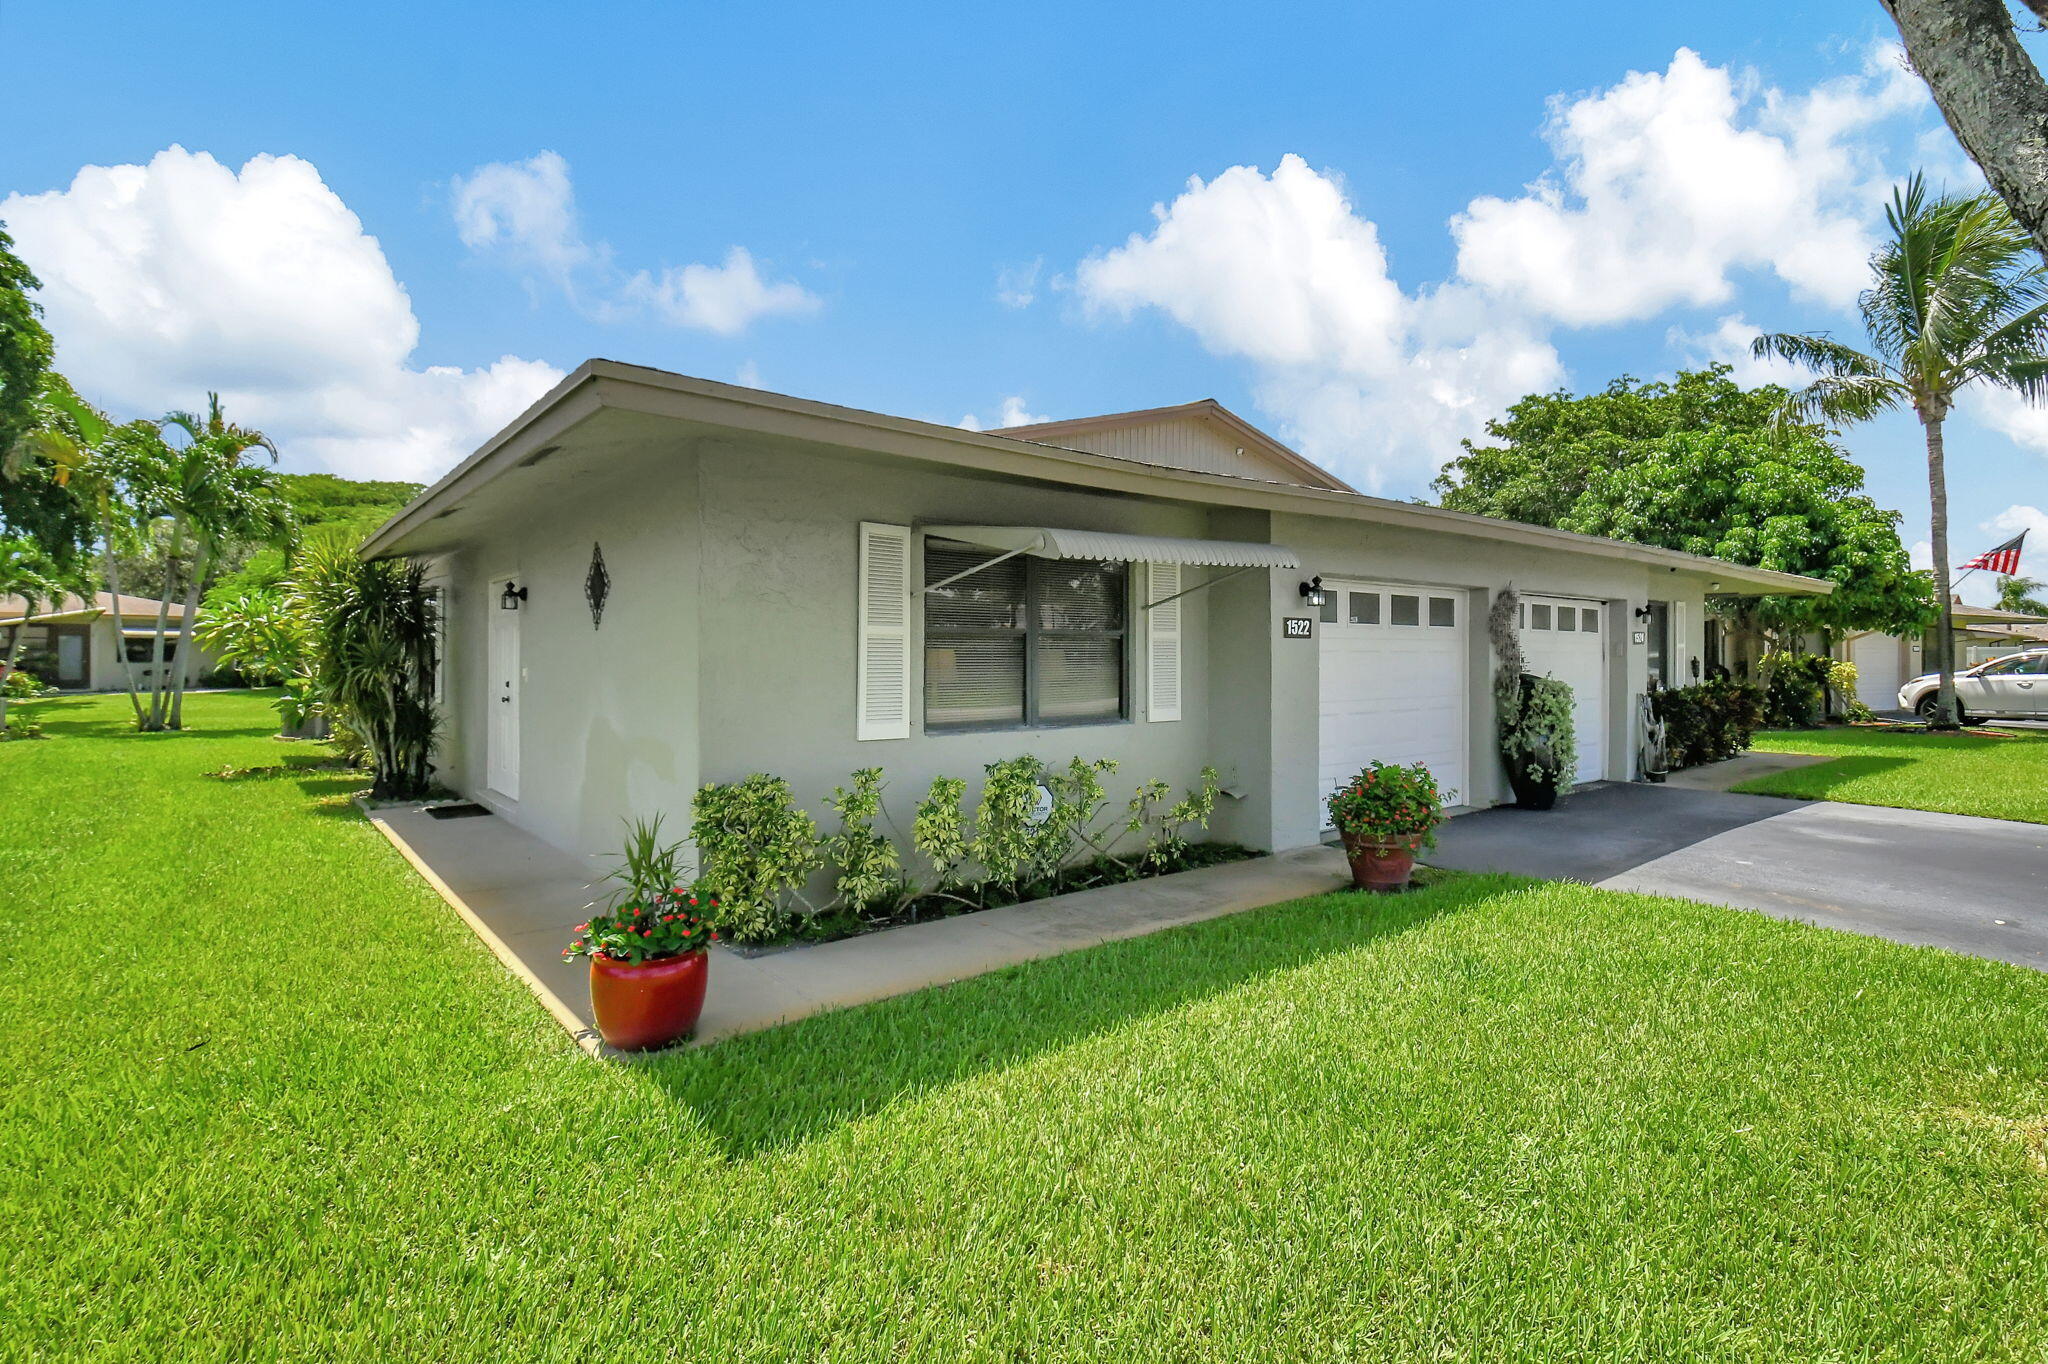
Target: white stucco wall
(728, 643)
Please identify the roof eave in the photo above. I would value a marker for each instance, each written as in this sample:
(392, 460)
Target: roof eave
(600, 383)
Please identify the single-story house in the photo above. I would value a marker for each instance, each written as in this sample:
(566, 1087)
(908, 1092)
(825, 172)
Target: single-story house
(1884, 663)
(75, 643)
(652, 581)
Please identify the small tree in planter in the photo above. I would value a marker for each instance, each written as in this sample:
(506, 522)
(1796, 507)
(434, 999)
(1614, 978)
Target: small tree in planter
(1384, 815)
(648, 964)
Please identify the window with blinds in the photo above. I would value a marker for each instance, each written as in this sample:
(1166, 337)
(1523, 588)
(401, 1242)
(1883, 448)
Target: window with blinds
(1027, 641)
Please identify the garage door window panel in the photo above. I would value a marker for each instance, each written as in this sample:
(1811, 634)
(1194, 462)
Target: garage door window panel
(1365, 608)
(1405, 610)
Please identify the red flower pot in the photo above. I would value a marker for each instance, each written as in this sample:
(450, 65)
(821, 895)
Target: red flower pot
(1381, 863)
(642, 1007)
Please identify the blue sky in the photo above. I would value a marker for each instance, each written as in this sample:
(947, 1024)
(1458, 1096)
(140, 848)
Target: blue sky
(1406, 216)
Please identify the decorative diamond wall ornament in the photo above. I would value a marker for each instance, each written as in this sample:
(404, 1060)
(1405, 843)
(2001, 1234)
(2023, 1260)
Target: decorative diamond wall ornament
(597, 585)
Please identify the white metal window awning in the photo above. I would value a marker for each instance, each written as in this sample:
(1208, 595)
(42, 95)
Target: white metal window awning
(1049, 542)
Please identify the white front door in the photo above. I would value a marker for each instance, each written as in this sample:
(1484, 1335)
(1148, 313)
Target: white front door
(1877, 670)
(1566, 638)
(71, 658)
(501, 760)
(1394, 683)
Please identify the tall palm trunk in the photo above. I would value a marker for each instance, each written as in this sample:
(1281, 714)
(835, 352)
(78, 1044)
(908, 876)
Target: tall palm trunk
(163, 622)
(1946, 713)
(113, 574)
(202, 559)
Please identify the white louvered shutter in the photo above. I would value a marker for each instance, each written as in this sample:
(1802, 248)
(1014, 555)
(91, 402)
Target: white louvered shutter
(882, 694)
(1162, 643)
(1681, 648)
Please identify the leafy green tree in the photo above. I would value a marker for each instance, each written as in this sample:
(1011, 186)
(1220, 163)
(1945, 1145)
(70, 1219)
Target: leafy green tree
(2017, 594)
(29, 573)
(1958, 297)
(1789, 501)
(1703, 465)
(1550, 445)
(28, 506)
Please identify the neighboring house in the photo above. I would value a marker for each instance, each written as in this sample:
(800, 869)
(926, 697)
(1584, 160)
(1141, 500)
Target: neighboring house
(1884, 663)
(652, 581)
(75, 643)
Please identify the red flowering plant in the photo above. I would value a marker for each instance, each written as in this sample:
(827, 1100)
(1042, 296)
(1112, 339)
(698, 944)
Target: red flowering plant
(653, 915)
(1386, 800)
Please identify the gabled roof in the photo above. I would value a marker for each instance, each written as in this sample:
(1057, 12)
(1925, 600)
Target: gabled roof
(72, 607)
(1205, 410)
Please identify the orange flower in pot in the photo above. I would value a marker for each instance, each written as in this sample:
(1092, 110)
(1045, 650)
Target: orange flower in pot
(1385, 815)
(649, 949)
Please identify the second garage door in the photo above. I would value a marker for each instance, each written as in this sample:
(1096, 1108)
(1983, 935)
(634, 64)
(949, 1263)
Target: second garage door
(1564, 638)
(1878, 671)
(1394, 682)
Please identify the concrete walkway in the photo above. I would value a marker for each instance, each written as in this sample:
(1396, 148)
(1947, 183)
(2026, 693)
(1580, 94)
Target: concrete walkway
(524, 898)
(1741, 768)
(1978, 886)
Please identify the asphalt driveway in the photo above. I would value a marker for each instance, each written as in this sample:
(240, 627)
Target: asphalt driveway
(1970, 885)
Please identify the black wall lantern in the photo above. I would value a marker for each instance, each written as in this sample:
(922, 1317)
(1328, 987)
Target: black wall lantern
(511, 597)
(1643, 612)
(1312, 591)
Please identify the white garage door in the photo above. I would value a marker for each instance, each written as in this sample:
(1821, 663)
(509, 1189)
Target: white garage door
(1564, 638)
(1877, 670)
(1394, 682)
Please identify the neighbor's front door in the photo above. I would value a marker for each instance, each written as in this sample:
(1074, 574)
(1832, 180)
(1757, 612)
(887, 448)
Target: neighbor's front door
(501, 763)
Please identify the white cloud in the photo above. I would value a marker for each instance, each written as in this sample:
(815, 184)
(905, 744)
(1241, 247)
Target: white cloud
(2010, 415)
(1012, 413)
(2017, 518)
(524, 210)
(162, 282)
(749, 375)
(1670, 182)
(1668, 187)
(1282, 271)
(522, 214)
(1017, 285)
(1729, 344)
(725, 299)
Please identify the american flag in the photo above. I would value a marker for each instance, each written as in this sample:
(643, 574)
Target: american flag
(2005, 559)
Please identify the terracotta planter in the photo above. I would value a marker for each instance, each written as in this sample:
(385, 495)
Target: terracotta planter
(1381, 864)
(642, 1007)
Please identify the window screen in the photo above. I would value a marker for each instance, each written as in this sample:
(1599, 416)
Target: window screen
(1024, 641)
(1567, 618)
(1365, 608)
(1589, 620)
(1405, 610)
(1539, 618)
(1443, 611)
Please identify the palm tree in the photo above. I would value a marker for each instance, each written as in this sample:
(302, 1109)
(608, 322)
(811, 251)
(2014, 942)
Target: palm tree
(218, 500)
(2017, 594)
(1958, 298)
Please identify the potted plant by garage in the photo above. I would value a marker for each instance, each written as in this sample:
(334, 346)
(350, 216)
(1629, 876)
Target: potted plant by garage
(1386, 814)
(648, 959)
(1537, 746)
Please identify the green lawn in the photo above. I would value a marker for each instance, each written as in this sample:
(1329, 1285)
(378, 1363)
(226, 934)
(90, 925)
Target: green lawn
(2004, 775)
(265, 1096)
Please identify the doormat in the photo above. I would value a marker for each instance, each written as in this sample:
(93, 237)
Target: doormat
(467, 810)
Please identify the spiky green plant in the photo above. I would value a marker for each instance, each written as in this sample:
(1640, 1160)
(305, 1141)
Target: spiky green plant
(374, 653)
